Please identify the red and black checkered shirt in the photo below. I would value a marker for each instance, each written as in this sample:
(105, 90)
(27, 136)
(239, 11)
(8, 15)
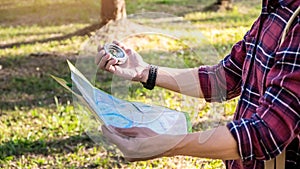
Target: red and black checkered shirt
(266, 76)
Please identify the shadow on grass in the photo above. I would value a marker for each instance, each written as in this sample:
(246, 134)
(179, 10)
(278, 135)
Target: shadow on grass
(24, 146)
(26, 81)
(81, 32)
(17, 149)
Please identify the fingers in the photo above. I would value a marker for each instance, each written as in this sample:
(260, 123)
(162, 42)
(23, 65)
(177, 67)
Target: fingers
(101, 53)
(127, 50)
(130, 132)
(134, 149)
(121, 45)
(105, 131)
(105, 61)
(99, 48)
(110, 136)
(136, 132)
(110, 65)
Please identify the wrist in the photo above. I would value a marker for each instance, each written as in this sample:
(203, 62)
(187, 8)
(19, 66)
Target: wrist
(144, 74)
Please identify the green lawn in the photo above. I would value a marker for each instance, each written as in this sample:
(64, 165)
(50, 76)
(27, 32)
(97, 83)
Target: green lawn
(39, 124)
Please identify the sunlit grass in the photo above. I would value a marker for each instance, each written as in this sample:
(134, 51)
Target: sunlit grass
(232, 19)
(174, 7)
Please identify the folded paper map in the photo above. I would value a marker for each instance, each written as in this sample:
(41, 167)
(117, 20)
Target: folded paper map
(112, 111)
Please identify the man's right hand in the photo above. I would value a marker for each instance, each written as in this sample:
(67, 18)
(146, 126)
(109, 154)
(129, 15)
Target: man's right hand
(134, 68)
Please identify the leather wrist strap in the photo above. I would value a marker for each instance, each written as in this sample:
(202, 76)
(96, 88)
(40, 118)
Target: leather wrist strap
(150, 84)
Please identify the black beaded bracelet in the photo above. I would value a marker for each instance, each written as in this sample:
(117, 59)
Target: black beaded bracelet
(151, 78)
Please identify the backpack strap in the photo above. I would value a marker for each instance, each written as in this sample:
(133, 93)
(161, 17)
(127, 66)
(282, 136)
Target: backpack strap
(276, 163)
(288, 25)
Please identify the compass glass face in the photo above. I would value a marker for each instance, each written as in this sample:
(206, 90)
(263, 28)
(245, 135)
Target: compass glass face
(116, 52)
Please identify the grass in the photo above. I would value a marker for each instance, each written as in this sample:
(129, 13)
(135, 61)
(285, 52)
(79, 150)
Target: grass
(39, 124)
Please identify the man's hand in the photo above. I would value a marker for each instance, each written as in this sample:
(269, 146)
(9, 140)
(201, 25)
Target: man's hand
(141, 143)
(133, 69)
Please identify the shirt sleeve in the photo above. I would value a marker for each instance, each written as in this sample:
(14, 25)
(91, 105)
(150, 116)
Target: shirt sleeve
(223, 81)
(276, 121)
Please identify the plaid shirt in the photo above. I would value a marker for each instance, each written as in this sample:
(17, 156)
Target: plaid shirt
(266, 76)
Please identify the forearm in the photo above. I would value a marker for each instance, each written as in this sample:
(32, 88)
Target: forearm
(184, 81)
(217, 144)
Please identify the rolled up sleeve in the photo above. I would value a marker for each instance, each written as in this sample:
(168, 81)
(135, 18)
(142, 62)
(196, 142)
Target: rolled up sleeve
(223, 81)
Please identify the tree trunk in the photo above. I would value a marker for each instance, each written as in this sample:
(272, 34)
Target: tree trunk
(112, 10)
(224, 4)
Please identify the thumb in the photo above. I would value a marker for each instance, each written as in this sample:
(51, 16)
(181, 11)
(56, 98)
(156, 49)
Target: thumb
(112, 136)
(118, 43)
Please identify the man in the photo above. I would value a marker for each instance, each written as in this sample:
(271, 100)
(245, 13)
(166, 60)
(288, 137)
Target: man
(259, 69)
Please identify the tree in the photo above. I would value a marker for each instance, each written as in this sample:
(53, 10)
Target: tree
(220, 5)
(112, 10)
(224, 4)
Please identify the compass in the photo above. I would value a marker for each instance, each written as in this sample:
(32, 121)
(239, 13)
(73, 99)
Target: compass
(116, 52)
